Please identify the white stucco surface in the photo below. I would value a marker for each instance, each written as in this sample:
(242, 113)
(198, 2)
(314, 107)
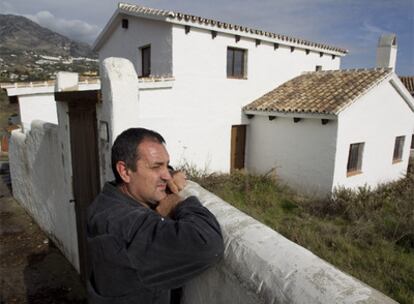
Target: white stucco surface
(387, 51)
(262, 266)
(126, 43)
(41, 184)
(119, 109)
(376, 119)
(37, 107)
(301, 154)
(195, 114)
(66, 81)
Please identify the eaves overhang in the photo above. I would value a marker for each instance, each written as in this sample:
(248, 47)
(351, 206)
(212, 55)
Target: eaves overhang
(402, 91)
(329, 116)
(212, 25)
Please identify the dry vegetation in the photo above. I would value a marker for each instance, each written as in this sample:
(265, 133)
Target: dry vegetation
(368, 234)
(6, 110)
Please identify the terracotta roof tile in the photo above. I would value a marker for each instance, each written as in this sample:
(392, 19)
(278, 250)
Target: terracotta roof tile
(322, 92)
(408, 82)
(219, 24)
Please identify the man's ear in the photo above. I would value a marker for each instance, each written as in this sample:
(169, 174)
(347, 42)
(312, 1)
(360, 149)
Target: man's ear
(123, 171)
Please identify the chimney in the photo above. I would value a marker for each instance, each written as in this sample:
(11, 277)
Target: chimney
(387, 51)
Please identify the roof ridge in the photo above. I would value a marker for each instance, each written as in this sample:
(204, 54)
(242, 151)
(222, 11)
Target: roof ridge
(226, 25)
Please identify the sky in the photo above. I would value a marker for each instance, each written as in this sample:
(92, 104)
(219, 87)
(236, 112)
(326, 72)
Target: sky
(354, 25)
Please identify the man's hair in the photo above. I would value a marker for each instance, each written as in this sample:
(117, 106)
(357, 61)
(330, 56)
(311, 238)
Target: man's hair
(125, 148)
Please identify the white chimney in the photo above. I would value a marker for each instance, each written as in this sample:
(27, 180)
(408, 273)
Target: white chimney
(387, 51)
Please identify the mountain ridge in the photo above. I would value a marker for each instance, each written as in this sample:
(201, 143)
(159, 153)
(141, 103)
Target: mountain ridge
(31, 52)
(21, 33)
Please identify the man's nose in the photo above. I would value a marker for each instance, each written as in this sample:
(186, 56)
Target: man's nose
(166, 175)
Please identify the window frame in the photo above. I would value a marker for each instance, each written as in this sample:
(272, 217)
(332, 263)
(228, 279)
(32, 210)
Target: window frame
(145, 68)
(232, 74)
(398, 149)
(355, 158)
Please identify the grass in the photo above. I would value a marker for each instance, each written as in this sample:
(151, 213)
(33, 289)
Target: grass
(366, 233)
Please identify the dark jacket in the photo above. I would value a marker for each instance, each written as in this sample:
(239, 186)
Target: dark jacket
(137, 256)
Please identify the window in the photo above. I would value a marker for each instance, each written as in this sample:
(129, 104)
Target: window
(398, 149)
(355, 159)
(236, 63)
(318, 68)
(412, 141)
(125, 23)
(145, 61)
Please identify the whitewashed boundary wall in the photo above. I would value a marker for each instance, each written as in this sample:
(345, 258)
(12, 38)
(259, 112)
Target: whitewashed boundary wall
(40, 184)
(262, 266)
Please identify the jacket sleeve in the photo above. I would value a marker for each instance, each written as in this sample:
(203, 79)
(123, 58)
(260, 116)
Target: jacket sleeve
(168, 252)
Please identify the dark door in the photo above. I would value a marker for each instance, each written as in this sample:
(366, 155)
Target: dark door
(85, 167)
(238, 145)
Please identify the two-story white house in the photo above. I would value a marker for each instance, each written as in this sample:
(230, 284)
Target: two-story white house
(201, 83)
(196, 74)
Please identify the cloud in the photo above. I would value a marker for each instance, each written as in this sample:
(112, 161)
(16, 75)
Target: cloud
(367, 37)
(6, 8)
(74, 29)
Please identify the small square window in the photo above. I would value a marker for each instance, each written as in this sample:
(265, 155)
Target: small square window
(125, 23)
(236, 63)
(398, 149)
(145, 61)
(354, 165)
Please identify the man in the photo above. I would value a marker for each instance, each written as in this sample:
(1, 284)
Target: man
(143, 238)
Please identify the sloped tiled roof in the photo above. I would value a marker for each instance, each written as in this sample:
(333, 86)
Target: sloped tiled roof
(408, 82)
(322, 92)
(238, 29)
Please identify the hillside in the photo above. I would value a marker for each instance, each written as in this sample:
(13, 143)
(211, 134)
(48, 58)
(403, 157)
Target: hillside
(31, 52)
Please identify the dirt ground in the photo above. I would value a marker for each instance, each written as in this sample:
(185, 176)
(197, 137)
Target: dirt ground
(32, 269)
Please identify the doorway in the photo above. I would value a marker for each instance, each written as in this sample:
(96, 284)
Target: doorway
(238, 147)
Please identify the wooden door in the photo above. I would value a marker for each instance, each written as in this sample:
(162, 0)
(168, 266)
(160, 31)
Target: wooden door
(85, 168)
(238, 146)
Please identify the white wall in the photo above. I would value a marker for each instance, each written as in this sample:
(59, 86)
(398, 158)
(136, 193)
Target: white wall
(40, 182)
(261, 266)
(119, 107)
(375, 119)
(195, 115)
(302, 154)
(125, 43)
(38, 106)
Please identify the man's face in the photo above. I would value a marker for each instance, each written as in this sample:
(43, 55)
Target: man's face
(149, 182)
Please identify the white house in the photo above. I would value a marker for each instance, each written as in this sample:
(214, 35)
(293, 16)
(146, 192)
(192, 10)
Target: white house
(37, 101)
(328, 129)
(197, 74)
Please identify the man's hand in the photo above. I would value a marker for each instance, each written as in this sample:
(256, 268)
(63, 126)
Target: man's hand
(178, 182)
(167, 204)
